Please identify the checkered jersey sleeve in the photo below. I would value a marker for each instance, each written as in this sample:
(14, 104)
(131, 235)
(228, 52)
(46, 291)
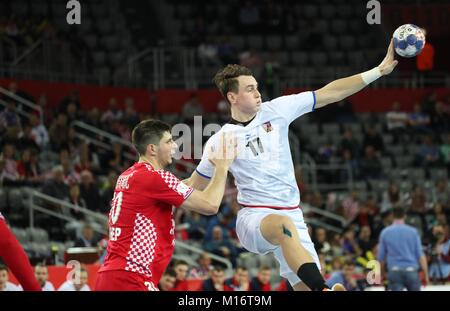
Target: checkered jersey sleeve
(169, 189)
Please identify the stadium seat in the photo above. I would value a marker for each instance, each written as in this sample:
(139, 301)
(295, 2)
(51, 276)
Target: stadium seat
(21, 235)
(300, 58)
(438, 173)
(345, 11)
(99, 58)
(37, 235)
(356, 59)
(322, 26)
(255, 42)
(91, 41)
(292, 42)
(330, 43)
(331, 128)
(104, 27)
(39, 7)
(319, 58)
(328, 11)
(339, 26)
(238, 42)
(310, 11)
(347, 42)
(15, 200)
(19, 8)
(273, 43)
(386, 162)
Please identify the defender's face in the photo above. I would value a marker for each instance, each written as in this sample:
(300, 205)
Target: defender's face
(166, 149)
(248, 98)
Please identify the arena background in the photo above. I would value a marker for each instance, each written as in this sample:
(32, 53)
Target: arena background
(87, 85)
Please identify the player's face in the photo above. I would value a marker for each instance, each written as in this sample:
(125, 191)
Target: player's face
(166, 149)
(83, 280)
(248, 98)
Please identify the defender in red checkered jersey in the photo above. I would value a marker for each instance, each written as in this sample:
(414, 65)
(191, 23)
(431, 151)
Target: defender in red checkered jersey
(141, 223)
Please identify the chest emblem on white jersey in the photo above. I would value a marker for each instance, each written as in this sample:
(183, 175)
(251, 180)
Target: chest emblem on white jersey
(267, 127)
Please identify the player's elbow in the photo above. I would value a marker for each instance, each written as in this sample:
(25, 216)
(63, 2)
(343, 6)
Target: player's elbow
(210, 209)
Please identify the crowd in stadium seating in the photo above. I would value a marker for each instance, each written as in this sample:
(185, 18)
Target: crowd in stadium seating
(85, 176)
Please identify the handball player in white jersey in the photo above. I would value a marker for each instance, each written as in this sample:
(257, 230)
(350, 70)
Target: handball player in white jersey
(271, 219)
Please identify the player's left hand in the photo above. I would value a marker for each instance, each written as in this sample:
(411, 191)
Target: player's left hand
(388, 64)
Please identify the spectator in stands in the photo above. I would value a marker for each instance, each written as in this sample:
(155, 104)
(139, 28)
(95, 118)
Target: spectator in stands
(320, 242)
(382, 222)
(349, 143)
(25, 139)
(249, 17)
(365, 241)
(56, 186)
(428, 153)
(284, 286)
(325, 152)
(59, 132)
(72, 98)
(72, 112)
(400, 249)
(216, 280)
(440, 255)
(39, 132)
(418, 200)
(87, 238)
(5, 285)
(349, 159)
(346, 277)
(9, 172)
(107, 191)
(77, 200)
(445, 152)
(78, 283)
(130, 116)
(197, 225)
(425, 61)
(70, 175)
(86, 159)
(419, 121)
(336, 245)
(441, 194)
(41, 273)
(112, 114)
(115, 160)
(9, 120)
(28, 167)
(374, 139)
(89, 191)
(440, 119)
(202, 270)
(261, 282)
(167, 281)
(391, 197)
(370, 165)
(191, 108)
(396, 122)
(350, 244)
(93, 117)
(239, 282)
(367, 212)
(181, 269)
(220, 246)
(224, 219)
(350, 206)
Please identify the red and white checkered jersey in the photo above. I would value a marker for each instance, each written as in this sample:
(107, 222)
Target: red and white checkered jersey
(141, 224)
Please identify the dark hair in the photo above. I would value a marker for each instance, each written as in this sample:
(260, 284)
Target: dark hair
(148, 132)
(241, 268)
(226, 78)
(398, 212)
(180, 262)
(218, 268)
(3, 267)
(170, 272)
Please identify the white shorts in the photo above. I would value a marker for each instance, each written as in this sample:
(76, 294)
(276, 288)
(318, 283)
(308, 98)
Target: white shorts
(249, 233)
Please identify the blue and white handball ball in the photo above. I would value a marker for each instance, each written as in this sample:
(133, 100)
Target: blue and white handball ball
(409, 40)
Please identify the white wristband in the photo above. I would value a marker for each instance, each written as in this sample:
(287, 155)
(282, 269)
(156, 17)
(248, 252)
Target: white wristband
(371, 75)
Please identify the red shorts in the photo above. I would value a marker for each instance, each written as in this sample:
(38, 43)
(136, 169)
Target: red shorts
(120, 280)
